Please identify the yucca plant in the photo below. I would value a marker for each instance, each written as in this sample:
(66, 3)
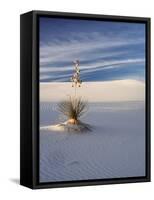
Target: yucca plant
(73, 109)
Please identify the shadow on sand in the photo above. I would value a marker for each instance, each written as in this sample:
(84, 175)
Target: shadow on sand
(15, 180)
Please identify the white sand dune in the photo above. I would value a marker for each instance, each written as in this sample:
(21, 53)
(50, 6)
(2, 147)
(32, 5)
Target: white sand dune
(56, 127)
(115, 147)
(65, 126)
(109, 91)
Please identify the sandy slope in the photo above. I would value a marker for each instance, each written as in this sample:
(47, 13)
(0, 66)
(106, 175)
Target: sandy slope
(115, 147)
(121, 90)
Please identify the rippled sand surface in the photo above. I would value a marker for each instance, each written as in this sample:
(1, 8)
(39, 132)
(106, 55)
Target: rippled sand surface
(114, 148)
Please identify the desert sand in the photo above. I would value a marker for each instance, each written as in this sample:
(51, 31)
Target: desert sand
(108, 91)
(114, 148)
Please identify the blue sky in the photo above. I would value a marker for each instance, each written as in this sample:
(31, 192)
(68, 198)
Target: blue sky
(107, 50)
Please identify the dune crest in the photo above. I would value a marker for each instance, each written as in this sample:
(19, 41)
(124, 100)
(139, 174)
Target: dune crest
(107, 91)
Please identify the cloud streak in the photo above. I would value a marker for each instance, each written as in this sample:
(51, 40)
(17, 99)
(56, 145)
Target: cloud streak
(98, 51)
(68, 50)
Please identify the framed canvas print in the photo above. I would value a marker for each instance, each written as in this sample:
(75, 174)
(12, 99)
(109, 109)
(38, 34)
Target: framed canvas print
(85, 99)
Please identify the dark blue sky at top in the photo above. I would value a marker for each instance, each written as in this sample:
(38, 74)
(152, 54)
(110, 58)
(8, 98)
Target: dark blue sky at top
(106, 50)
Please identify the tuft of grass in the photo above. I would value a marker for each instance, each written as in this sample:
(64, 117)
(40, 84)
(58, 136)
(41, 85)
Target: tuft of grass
(73, 108)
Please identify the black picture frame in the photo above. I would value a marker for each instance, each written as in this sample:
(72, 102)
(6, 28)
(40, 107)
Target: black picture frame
(29, 99)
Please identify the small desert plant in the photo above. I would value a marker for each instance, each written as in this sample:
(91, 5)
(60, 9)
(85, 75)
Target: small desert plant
(73, 109)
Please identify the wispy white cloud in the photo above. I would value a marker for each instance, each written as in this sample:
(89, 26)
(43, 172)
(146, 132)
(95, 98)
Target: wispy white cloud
(94, 66)
(98, 66)
(94, 51)
(72, 49)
